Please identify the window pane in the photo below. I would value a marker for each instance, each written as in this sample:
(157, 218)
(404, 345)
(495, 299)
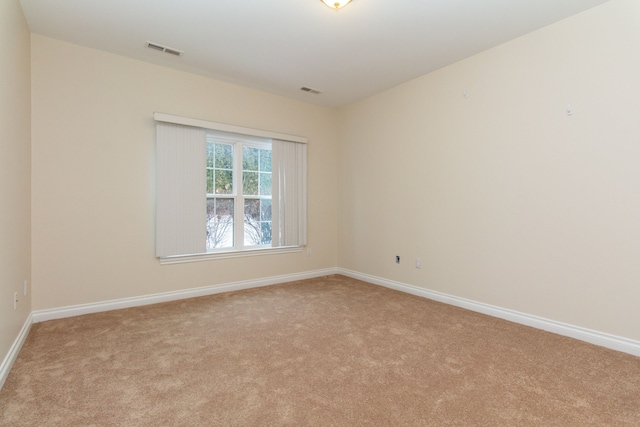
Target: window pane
(209, 181)
(265, 160)
(265, 184)
(266, 233)
(210, 154)
(224, 182)
(257, 231)
(250, 157)
(252, 230)
(265, 210)
(250, 183)
(224, 156)
(219, 223)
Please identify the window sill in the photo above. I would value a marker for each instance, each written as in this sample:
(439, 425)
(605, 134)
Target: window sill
(178, 259)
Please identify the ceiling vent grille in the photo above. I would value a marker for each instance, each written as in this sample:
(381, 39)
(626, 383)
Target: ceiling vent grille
(310, 90)
(164, 49)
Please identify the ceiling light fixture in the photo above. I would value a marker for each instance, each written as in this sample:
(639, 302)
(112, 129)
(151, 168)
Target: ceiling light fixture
(336, 4)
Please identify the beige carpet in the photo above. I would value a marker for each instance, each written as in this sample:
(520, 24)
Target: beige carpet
(323, 352)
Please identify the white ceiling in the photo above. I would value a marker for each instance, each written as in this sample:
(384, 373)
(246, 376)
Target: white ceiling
(281, 45)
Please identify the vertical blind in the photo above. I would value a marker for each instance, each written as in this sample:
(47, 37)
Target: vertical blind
(181, 201)
(181, 186)
(289, 193)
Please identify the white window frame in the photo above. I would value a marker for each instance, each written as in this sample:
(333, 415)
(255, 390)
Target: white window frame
(238, 142)
(251, 136)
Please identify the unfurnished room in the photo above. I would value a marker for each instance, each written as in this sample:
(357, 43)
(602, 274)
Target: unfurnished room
(319, 213)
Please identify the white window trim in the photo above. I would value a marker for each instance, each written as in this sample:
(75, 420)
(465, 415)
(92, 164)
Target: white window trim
(222, 254)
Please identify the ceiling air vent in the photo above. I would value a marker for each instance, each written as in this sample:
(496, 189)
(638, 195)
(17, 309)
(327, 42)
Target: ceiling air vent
(164, 49)
(308, 89)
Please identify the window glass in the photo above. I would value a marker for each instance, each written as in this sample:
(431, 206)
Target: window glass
(254, 204)
(219, 223)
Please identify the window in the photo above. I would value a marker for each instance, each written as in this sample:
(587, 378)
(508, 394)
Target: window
(239, 188)
(223, 190)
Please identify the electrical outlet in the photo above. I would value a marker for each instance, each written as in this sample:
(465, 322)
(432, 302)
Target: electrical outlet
(308, 251)
(15, 300)
(397, 259)
(418, 263)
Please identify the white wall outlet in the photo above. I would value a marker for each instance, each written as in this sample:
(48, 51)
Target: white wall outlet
(418, 263)
(308, 251)
(15, 300)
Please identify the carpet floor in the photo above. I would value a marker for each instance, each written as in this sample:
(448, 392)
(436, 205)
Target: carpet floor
(331, 351)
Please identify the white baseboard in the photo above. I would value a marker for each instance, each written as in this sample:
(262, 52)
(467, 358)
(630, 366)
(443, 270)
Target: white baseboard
(78, 310)
(11, 356)
(594, 337)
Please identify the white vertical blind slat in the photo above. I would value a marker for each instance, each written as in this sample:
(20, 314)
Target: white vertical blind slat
(302, 193)
(289, 193)
(181, 192)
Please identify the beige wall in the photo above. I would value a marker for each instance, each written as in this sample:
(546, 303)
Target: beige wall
(93, 174)
(507, 199)
(15, 171)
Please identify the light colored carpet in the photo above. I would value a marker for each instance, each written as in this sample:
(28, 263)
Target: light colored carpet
(331, 351)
